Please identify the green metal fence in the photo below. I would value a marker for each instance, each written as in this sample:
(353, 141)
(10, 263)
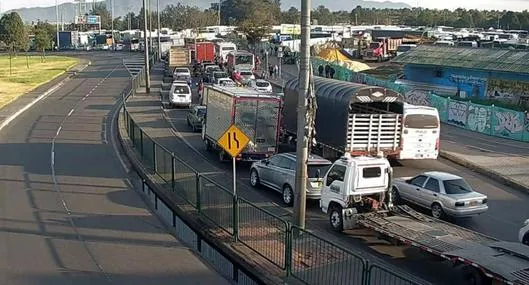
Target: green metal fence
(298, 253)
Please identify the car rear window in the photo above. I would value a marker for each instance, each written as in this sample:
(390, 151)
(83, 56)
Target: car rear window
(181, 90)
(371, 172)
(317, 170)
(456, 186)
(246, 73)
(261, 84)
(181, 70)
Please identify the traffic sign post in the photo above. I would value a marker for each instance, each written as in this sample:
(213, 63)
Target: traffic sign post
(233, 141)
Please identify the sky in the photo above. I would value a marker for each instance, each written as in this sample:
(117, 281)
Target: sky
(515, 5)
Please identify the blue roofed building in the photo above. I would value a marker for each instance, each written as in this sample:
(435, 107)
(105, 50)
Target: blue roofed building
(468, 72)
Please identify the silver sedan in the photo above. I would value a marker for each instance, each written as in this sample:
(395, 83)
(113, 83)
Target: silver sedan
(443, 193)
(278, 172)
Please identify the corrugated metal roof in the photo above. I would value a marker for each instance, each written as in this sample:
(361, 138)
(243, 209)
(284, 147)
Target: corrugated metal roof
(503, 60)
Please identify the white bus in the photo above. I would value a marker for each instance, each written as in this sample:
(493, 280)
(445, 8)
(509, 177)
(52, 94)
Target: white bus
(420, 132)
(222, 49)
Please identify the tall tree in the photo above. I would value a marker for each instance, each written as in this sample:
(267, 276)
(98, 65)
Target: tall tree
(42, 41)
(291, 16)
(101, 10)
(13, 32)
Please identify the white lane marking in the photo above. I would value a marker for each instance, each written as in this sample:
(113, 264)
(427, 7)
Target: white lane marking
(113, 138)
(44, 95)
(52, 158)
(71, 112)
(58, 131)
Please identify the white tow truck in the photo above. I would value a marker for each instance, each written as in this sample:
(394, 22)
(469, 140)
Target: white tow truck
(356, 193)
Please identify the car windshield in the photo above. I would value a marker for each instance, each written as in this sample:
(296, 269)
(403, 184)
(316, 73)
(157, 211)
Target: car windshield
(456, 186)
(248, 73)
(317, 170)
(262, 84)
(181, 70)
(220, 74)
(179, 89)
(201, 112)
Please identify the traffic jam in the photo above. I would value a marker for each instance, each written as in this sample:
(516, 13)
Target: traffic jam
(361, 132)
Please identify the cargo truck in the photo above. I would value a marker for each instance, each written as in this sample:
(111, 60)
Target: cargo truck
(256, 114)
(381, 49)
(356, 192)
(205, 51)
(179, 56)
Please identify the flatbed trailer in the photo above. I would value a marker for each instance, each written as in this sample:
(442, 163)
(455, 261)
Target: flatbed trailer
(484, 260)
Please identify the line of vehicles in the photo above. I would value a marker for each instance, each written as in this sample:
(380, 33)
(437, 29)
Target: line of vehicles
(358, 127)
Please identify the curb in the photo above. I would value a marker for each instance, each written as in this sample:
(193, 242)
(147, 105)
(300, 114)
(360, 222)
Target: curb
(496, 176)
(192, 221)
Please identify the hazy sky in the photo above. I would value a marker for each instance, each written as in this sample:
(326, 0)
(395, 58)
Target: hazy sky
(517, 5)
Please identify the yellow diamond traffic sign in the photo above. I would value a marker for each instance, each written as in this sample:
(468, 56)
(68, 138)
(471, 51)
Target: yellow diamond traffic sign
(233, 141)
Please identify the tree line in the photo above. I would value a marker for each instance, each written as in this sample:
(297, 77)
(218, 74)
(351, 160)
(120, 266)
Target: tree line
(15, 35)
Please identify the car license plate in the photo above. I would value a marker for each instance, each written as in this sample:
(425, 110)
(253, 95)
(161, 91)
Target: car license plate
(474, 203)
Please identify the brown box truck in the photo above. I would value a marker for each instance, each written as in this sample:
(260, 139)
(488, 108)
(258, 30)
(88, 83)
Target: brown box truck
(179, 56)
(381, 49)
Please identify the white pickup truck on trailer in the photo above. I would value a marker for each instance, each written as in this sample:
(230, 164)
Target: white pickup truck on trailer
(356, 192)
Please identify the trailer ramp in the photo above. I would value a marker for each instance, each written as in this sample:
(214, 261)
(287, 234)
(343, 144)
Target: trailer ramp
(504, 261)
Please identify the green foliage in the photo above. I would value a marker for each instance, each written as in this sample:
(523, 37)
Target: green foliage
(254, 17)
(42, 40)
(13, 32)
(181, 16)
(100, 9)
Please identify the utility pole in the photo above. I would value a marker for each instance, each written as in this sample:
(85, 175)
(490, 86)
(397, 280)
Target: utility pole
(112, 25)
(159, 27)
(150, 25)
(147, 65)
(218, 15)
(303, 131)
(57, 21)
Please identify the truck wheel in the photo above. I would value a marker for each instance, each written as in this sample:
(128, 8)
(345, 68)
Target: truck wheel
(254, 178)
(437, 211)
(288, 195)
(396, 196)
(379, 59)
(471, 276)
(336, 218)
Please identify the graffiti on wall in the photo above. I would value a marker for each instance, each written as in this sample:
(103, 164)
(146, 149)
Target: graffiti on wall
(478, 118)
(418, 97)
(507, 89)
(457, 113)
(508, 123)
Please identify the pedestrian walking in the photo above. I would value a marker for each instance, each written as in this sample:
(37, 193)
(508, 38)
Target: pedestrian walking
(276, 71)
(327, 70)
(331, 72)
(320, 70)
(271, 70)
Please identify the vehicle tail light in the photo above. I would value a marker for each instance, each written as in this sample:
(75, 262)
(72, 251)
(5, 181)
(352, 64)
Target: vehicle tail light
(437, 144)
(460, 204)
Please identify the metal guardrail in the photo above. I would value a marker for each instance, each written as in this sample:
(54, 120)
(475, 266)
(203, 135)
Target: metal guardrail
(298, 253)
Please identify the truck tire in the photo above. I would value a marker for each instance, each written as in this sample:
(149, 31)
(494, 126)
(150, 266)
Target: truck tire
(336, 218)
(396, 196)
(472, 276)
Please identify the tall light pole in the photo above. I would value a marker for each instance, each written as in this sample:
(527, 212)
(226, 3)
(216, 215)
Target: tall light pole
(159, 27)
(218, 15)
(57, 21)
(303, 131)
(150, 24)
(147, 65)
(112, 25)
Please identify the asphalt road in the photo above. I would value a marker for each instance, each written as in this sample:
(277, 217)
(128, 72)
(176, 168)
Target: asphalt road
(68, 214)
(508, 207)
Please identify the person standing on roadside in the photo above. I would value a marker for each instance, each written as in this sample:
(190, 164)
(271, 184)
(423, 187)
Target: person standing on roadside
(331, 72)
(327, 70)
(320, 70)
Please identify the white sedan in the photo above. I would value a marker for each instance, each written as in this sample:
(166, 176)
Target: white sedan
(524, 233)
(443, 193)
(262, 85)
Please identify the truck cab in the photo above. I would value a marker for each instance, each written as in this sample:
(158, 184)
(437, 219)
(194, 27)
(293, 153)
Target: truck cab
(355, 185)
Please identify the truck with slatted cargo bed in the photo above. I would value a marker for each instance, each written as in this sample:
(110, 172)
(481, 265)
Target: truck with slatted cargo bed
(363, 120)
(356, 192)
(255, 113)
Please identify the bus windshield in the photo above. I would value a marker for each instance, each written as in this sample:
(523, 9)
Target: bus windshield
(244, 59)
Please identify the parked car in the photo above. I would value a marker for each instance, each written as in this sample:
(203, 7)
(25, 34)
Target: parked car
(524, 233)
(443, 193)
(226, 82)
(247, 76)
(261, 85)
(195, 117)
(278, 173)
(180, 94)
(216, 75)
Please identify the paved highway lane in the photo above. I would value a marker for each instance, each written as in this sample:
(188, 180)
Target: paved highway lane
(67, 211)
(507, 206)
